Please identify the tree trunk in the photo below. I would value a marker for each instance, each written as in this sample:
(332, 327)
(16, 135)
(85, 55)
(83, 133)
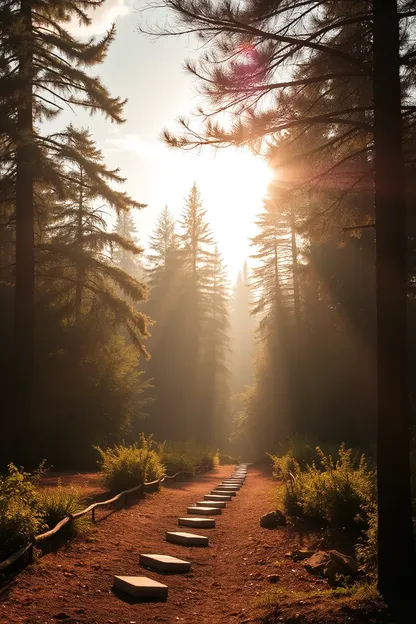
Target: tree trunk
(80, 273)
(296, 298)
(396, 555)
(25, 262)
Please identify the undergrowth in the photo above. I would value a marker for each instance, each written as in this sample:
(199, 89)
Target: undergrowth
(21, 516)
(125, 467)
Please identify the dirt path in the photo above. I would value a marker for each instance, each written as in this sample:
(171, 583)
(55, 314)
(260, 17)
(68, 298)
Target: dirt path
(74, 584)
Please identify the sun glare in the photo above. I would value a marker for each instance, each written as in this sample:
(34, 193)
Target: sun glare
(232, 182)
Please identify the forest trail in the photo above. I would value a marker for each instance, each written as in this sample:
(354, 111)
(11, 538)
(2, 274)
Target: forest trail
(74, 584)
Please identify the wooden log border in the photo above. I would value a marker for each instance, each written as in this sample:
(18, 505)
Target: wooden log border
(19, 554)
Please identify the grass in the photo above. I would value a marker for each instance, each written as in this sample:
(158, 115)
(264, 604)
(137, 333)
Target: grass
(358, 603)
(57, 503)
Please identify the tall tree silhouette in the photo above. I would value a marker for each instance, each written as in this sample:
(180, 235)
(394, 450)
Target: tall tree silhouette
(43, 69)
(242, 332)
(196, 248)
(214, 380)
(168, 418)
(80, 242)
(129, 262)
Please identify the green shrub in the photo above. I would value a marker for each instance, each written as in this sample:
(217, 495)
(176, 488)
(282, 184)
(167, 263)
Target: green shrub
(186, 457)
(366, 549)
(336, 493)
(125, 467)
(21, 518)
(58, 503)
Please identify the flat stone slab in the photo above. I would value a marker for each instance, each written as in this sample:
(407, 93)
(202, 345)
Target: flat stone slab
(233, 488)
(141, 587)
(186, 539)
(164, 563)
(218, 497)
(232, 482)
(197, 523)
(219, 504)
(221, 491)
(204, 511)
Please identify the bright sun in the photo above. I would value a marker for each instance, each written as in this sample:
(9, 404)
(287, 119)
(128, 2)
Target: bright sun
(232, 183)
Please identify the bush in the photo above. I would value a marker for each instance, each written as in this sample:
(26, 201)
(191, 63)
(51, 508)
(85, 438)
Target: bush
(186, 457)
(337, 493)
(125, 467)
(21, 518)
(58, 503)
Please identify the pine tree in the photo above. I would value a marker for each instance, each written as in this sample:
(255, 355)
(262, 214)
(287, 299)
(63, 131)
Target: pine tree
(165, 306)
(196, 248)
(42, 69)
(242, 333)
(125, 227)
(79, 243)
(214, 337)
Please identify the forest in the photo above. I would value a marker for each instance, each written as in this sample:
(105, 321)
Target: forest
(304, 361)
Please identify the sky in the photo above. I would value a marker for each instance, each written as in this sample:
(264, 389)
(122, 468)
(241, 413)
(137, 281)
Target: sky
(150, 74)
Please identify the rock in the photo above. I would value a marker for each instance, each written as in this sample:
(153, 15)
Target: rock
(273, 519)
(331, 564)
(317, 563)
(273, 578)
(341, 564)
(300, 555)
(61, 616)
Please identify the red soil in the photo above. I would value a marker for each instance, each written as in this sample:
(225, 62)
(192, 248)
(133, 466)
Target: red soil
(74, 584)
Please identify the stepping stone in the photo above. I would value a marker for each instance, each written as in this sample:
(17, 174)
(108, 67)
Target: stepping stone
(218, 497)
(204, 511)
(233, 482)
(232, 488)
(164, 563)
(141, 587)
(222, 491)
(197, 523)
(218, 504)
(186, 539)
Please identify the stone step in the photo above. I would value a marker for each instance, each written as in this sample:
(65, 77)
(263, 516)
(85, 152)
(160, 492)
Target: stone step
(197, 523)
(232, 488)
(164, 563)
(186, 539)
(218, 497)
(222, 491)
(233, 482)
(141, 587)
(218, 504)
(204, 511)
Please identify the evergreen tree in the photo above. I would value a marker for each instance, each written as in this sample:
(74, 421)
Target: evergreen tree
(242, 333)
(214, 337)
(167, 346)
(43, 68)
(196, 248)
(125, 259)
(80, 241)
